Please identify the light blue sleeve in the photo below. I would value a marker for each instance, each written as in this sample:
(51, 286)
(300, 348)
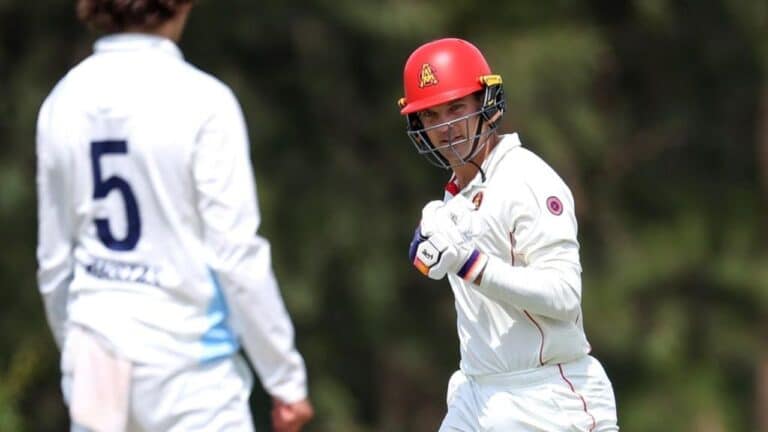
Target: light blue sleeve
(228, 207)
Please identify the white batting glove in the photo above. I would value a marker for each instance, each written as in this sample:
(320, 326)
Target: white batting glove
(460, 212)
(453, 218)
(443, 242)
(437, 256)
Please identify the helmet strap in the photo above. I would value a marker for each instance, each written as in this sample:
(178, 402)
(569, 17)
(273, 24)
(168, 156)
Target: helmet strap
(475, 143)
(476, 140)
(482, 173)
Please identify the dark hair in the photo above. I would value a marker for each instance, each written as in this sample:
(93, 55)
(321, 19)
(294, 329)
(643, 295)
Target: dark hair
(117, 15)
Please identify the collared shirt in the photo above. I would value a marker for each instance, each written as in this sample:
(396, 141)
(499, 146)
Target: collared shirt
(148, 215)
(527, 311)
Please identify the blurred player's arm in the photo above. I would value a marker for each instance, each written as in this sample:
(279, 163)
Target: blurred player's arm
(55, 226)
(242, 259)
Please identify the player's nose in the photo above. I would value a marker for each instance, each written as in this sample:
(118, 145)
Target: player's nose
(445, 129)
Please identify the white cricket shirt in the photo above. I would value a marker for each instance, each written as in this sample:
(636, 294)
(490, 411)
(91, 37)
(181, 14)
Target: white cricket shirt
(527, 311)
(148, 215)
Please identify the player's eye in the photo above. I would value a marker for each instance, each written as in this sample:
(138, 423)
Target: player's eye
(427, 115)
(457, 108)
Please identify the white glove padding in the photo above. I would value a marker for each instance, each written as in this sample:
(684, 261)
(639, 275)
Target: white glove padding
(455, 219)
(437, 255)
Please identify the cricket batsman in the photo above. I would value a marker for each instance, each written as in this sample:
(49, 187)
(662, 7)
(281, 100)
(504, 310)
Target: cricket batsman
(505, 236)
(149, 264)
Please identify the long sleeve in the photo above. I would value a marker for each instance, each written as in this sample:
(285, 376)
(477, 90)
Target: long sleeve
(547, 277)
(544, 291)
(55, 227)
(226, 201)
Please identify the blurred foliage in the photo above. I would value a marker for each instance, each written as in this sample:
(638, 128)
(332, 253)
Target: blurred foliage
(653, 111)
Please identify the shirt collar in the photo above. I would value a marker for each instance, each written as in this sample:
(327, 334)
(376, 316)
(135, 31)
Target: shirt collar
(135, 42)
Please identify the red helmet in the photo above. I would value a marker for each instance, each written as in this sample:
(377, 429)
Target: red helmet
(441, 71)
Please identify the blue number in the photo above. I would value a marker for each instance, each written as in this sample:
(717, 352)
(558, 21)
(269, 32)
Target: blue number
(102, 187)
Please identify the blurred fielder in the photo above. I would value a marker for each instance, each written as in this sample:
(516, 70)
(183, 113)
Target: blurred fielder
(149, 264)
(505, 236)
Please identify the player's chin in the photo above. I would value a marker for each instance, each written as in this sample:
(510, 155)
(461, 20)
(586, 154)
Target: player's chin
(452, 163)
(454, 160)
(451, 156)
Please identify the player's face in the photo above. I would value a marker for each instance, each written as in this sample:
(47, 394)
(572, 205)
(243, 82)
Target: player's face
(451, 125)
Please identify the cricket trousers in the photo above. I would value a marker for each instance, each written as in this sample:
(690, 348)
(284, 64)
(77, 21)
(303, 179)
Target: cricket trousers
(107, 393)
(574, 397)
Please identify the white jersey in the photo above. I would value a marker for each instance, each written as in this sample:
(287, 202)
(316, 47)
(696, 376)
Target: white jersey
(526, 312)
(148, 215)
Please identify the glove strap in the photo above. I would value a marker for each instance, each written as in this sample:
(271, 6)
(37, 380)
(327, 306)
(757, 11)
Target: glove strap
(421, 267)
(473, 266)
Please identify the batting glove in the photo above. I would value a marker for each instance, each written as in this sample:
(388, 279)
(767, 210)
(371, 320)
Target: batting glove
(437, 256)
(443, 241)
(457, 218)
(433, 219)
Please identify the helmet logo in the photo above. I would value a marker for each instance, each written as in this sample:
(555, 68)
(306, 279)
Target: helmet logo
(427, 76)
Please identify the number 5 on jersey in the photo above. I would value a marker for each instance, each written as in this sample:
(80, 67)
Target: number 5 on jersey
(102, 188)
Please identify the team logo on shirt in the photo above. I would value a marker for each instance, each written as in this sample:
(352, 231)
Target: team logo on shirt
(555, 206)
(427, 76)
(477, 200)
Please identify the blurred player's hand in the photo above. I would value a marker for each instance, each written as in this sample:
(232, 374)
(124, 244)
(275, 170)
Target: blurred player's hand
(443, 242)
(291, 417)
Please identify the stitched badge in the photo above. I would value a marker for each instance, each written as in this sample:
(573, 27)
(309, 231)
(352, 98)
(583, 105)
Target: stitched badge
(477, 200)
(555, 206)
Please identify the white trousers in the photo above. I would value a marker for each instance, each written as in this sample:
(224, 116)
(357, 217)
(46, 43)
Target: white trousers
(574, 397)
(106, 393)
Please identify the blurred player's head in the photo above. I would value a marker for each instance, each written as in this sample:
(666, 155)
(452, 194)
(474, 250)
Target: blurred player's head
(452, 101)
(166, 17)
